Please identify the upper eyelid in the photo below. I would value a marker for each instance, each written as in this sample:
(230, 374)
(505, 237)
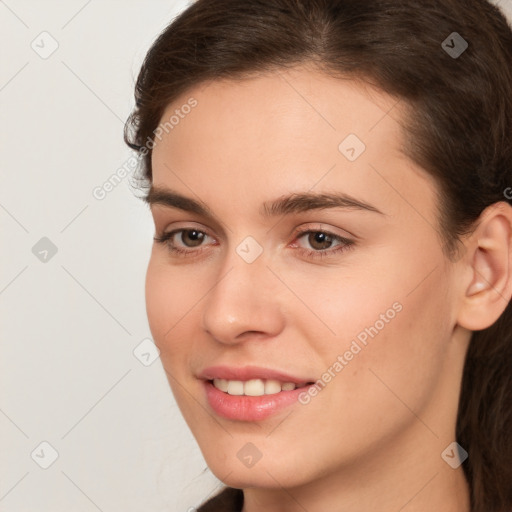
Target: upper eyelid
(158, 210)
(298, 233)
(316, 226)
(342, 239)
(223, 229)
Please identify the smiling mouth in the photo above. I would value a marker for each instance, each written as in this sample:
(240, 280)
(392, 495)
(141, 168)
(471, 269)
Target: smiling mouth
(255, 387)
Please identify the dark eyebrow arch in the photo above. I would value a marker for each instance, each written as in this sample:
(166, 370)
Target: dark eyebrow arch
(293, 203)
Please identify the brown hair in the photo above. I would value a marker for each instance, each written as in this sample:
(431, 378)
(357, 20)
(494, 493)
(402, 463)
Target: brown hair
(458, 128)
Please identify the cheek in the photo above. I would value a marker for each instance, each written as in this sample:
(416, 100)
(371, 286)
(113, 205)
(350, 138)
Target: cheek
(171, 315)
(388, 367)
(382, 295)
(169, 304)
(346, 301)
(160, 299)
(389, 325)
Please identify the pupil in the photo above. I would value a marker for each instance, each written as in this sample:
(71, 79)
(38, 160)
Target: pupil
(195, 236)
(321, 239)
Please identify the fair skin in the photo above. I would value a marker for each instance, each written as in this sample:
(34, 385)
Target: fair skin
(372, 439)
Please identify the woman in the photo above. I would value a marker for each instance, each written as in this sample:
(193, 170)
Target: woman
(330, 281)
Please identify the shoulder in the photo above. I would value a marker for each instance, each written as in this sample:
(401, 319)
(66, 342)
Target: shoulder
(228, 500)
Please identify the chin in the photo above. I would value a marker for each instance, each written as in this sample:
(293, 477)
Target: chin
(270, 471)
(263, 477)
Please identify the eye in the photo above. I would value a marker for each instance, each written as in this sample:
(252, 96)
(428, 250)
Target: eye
(322, 243)
(319, 240)
(191, 238)
(188, 242)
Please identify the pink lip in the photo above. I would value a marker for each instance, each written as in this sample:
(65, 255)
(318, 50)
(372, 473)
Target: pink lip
(249, 408)
(250, 372)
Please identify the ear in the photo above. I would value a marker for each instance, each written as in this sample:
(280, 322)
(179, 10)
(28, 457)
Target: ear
(487, 286)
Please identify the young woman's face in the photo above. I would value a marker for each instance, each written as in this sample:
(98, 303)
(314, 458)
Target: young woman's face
(355, 295)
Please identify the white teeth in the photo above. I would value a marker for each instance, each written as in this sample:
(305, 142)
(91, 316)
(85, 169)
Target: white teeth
(272, 387)
(253, 387)
(235, 387)
(221, 384)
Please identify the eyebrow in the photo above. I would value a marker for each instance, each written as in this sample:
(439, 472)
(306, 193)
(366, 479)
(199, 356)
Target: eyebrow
(285, 205)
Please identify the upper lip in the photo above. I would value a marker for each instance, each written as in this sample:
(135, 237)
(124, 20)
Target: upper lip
(250, 372)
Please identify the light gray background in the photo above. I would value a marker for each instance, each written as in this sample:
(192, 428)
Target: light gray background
(70, 323)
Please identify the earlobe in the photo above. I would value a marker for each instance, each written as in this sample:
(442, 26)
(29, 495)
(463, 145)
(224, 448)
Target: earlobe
(490, 257)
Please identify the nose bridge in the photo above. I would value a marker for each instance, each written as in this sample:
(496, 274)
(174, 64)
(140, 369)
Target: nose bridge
(242, 298)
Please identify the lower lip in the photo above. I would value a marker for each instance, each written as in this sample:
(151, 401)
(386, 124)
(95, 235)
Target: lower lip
(249, 408)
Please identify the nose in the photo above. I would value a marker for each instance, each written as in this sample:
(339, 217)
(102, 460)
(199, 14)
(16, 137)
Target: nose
(244, 302)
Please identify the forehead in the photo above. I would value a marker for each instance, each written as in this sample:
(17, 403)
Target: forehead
(285, 130)
(287, 112)
(302, 102)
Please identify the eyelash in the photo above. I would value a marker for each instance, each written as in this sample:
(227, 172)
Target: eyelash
(346, 244)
